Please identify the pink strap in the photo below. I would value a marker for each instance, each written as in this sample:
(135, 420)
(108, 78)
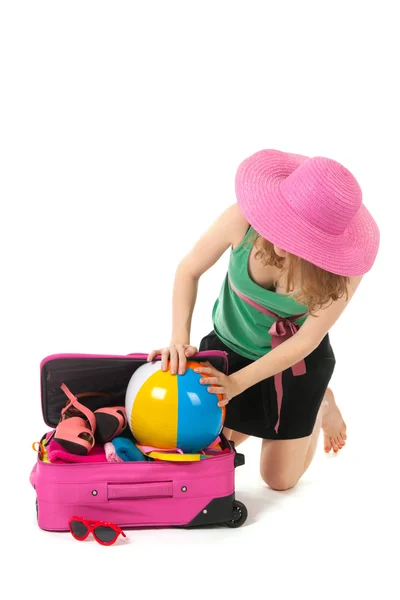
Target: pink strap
(68, 393)
(80, 407)
(280, 331)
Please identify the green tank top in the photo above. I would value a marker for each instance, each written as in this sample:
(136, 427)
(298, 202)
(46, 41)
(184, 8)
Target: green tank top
(237, 322)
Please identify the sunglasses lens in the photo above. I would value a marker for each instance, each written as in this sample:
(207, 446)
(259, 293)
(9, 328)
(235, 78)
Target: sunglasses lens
(78, 528)
(105, 534)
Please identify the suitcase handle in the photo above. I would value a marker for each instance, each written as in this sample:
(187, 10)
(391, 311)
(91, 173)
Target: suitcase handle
(136, 491)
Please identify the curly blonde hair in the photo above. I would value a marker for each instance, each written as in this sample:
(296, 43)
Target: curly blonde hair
(310, 285)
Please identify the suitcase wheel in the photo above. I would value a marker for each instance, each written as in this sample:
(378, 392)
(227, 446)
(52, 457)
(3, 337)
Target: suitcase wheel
(239, 514)
(37, 509)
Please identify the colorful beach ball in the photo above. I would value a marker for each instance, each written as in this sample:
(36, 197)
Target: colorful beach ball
(172, 411)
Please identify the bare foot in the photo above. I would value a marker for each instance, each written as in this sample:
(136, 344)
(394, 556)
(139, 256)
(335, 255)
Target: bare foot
(333, 426)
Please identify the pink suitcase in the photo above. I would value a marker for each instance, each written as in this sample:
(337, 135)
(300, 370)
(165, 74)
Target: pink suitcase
(130, 494)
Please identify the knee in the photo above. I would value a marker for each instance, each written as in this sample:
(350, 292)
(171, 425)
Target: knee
(279, 481)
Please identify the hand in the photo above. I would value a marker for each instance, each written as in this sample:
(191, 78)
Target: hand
(177, 354)
(221, 384)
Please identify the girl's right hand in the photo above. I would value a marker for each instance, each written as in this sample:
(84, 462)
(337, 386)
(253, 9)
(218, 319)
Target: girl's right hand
(177, 354)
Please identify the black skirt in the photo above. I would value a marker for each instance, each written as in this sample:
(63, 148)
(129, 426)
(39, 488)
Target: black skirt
(254, 412)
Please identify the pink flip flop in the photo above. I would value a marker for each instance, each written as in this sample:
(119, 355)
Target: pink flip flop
(75, 431)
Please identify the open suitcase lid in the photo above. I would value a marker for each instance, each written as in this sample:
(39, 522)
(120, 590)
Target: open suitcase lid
(97, 373)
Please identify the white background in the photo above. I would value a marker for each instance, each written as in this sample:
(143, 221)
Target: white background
(122, 126)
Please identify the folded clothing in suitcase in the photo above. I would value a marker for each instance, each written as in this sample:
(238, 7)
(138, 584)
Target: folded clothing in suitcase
(130, 494)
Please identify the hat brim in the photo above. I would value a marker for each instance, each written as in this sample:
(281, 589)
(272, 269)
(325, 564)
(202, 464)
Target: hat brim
(262, 203)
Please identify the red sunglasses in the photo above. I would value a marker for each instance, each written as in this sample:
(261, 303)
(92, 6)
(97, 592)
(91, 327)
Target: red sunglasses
(104, 533)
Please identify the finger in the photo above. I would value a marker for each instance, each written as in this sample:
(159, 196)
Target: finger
(191, 351)
(181, 359)
(223, 402)
(206, 371)
(152, 354)
(164, 359)
(210, 381)
(173, 357)
(216, 390)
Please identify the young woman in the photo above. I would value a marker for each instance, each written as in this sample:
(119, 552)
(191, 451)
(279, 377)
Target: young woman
(300, 240)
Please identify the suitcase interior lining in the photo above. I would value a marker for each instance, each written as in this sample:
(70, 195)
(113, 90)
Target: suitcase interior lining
(105, 375)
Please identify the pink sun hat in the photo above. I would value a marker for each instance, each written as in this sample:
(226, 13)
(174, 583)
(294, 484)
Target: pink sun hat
(310, 207)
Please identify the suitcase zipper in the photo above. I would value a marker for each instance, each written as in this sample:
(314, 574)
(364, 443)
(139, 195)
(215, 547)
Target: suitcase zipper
(138, 356)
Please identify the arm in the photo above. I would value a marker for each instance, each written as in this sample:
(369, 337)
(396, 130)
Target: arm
(290, 352)
(283, 356)
(211, 246)
(228, 229)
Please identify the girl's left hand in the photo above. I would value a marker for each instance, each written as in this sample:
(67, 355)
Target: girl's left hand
(221, 384)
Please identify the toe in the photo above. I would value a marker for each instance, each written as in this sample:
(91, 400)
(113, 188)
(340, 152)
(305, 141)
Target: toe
(339, 442)
(334, 445)
(342, 439)
(327, 443)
